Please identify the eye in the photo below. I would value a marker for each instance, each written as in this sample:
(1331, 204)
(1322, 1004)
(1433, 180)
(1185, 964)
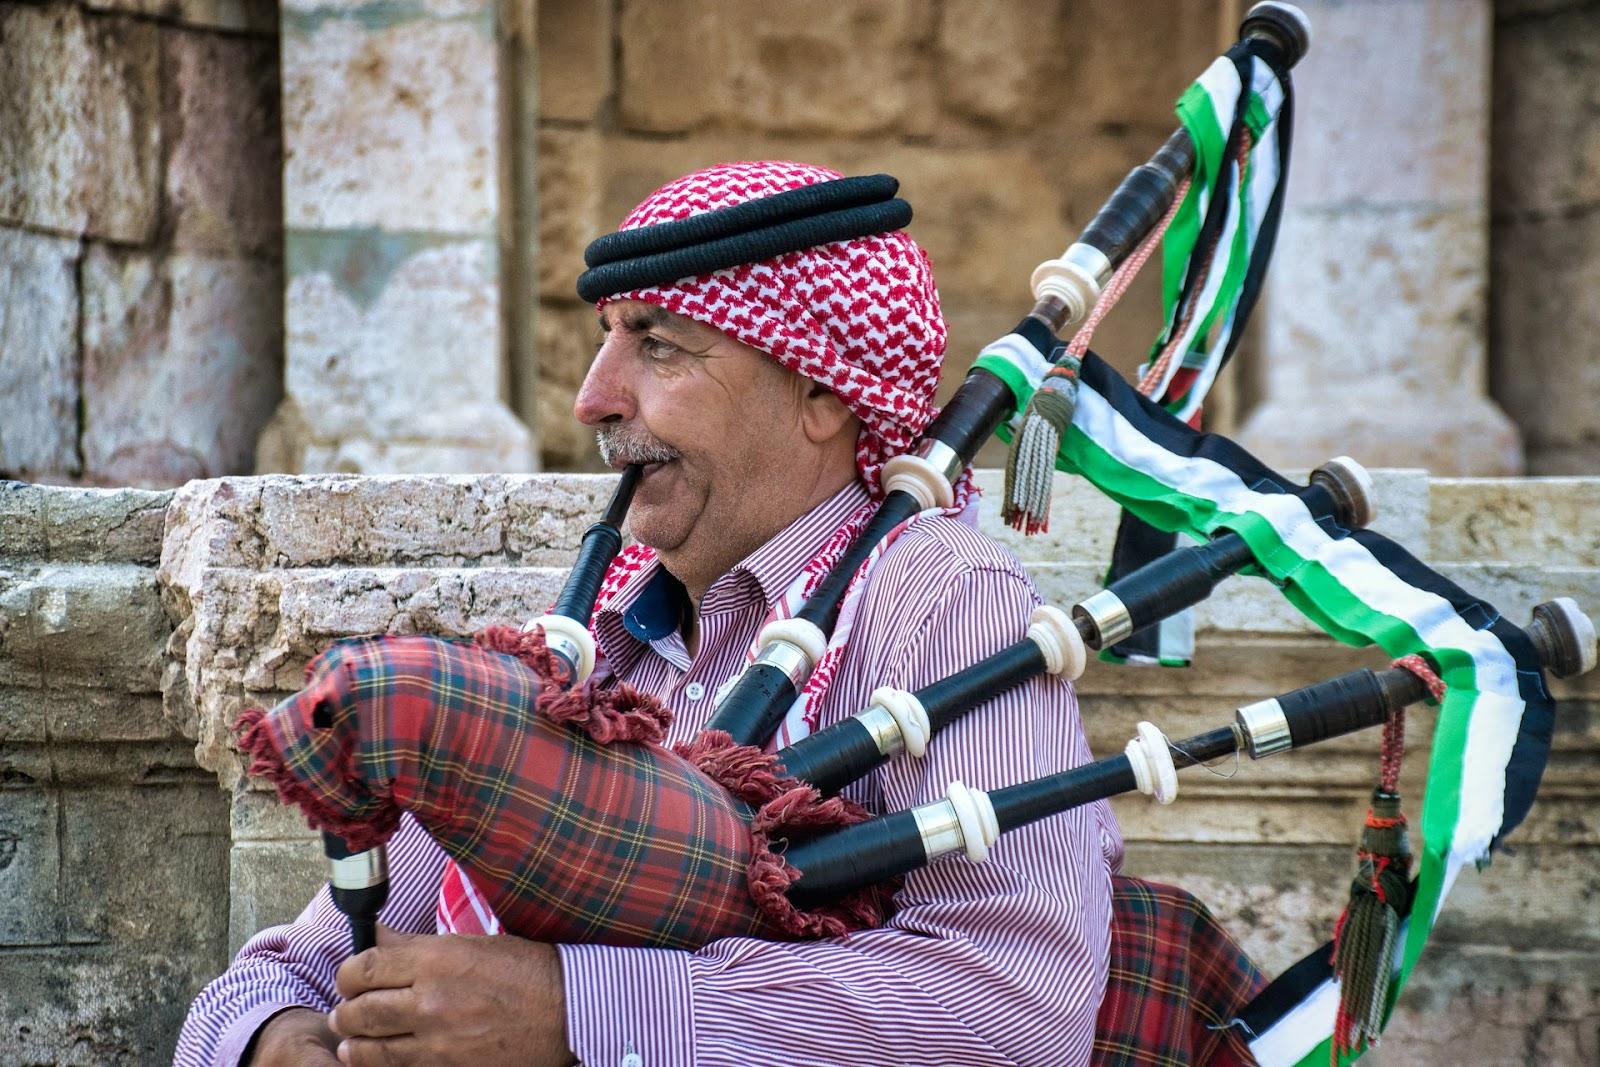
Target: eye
(656, 348)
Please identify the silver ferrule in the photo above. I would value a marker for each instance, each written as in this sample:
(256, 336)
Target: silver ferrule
(1091, 260)
(564, 646)
(790, 659)
(1109, 615)
(884, 729)
(361, 871)
(939, 828)
(1266, 728)
(946, 460)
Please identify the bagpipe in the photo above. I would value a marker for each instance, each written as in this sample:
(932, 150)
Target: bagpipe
(577, 825)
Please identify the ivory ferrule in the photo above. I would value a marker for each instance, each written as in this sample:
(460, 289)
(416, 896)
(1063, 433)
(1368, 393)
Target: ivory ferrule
(1110, 617)
(789, 658)
(922, 477)
(884, 729)
(1075, 279)
(943, 458)
(939, 828)
(360, 871)
(571, 640)
(1265, 728)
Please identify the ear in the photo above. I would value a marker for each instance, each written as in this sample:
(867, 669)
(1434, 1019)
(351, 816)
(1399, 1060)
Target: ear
(823, 416)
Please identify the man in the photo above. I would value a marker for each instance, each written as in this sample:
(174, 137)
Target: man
(764, 399)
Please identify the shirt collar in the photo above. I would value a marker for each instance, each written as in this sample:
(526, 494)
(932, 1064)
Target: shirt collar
(651, 605)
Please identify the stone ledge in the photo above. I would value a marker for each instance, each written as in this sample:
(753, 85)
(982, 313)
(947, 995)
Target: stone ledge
(40, 522)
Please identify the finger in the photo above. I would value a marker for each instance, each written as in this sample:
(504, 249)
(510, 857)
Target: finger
(388, 935)
(388, 967)
(381, 1052)
(378, 1013)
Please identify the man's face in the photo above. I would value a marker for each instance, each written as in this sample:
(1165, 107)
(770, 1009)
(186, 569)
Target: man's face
(718, 419)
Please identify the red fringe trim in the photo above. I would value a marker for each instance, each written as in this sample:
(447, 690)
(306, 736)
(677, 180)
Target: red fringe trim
(784, 806)
(606, 715)
(255, 740)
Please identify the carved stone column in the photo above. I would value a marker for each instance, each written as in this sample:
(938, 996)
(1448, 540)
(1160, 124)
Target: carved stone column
(1375, 337)
(391, 206)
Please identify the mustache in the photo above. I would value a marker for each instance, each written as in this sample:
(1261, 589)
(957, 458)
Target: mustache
(622, 445)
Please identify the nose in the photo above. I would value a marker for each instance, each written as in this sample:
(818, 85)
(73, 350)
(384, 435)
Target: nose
(606, 395)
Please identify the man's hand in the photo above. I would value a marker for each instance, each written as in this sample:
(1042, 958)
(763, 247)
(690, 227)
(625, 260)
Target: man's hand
(299, 1037)
(450, 999)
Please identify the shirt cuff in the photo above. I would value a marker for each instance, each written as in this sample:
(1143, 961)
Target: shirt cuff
(628, 1007)
(236, 1038)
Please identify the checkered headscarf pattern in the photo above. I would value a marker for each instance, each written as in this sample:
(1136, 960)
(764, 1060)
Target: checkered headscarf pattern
(859, 317)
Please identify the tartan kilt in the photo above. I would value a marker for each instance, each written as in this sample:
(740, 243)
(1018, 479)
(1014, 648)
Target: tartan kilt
(568, 840)
(1177, 979)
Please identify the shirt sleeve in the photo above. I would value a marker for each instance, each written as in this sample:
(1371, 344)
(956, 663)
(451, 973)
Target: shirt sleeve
(293, 965)
(1003, 962)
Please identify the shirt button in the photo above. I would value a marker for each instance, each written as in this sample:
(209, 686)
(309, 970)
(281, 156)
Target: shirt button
(694, 690)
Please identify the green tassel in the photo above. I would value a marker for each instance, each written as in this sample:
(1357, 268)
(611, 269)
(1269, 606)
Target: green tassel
(1031, 464)
(1363, 952)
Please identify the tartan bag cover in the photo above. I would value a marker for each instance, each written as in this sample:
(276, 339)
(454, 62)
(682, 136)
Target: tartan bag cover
(1176, 981)
(569, 840)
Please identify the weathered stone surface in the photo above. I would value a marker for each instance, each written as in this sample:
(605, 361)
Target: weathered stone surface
(204, 336)
(569, 207)
(269, 883)
(358, 96)
(566, 341)
(38, 336)
(1432, 54)
(1515, 519)
(224, 176)
(241, 16)
(1546, 131)
(799, 69)
(575, 68)
(993, 60)
(81, 121)
(1544, 327)
(392, 358)
(99, 624)
(1405, 386)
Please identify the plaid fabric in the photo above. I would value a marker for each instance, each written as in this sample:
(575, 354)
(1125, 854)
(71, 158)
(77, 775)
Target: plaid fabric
(569, 840)
(1176, 979)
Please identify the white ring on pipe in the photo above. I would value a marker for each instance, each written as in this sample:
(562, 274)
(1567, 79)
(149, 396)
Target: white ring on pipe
(909, 715)
(805, 636)
(921, 478)
(1058, 638)
(573, 631)
(975, 815)
(1153, 769)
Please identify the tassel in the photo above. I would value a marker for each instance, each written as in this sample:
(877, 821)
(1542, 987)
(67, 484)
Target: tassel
(1031, 464)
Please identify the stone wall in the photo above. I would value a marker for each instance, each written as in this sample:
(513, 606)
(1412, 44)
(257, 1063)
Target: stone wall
(1007, 125)
(256, 575)
(140, 269)
(113, 844)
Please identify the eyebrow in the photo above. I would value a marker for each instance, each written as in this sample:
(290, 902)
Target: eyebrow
(638, 319)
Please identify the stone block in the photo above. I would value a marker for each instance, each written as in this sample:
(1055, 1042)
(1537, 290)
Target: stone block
(1515, 520)
(205, 334)
(1402, 116)
(546, 517)
(38, 334)
(368, 315)
(30, 866)
(575, 68)
(991, 62)
(81, 122)
(361, 93)
(81, 525)
(1545, 274)
(1546, 151)
(224, 181)
(566, 346)
(269, 883)
(377, 521)
(100, 625)
(800, 69)
(238, 16)
(1404, 390)
(69, 713)
(569, 207)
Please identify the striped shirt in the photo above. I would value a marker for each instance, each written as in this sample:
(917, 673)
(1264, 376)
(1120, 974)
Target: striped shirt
(1003, 962)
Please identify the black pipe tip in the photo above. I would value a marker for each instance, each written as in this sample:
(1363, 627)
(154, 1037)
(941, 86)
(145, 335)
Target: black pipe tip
(1286, 25)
